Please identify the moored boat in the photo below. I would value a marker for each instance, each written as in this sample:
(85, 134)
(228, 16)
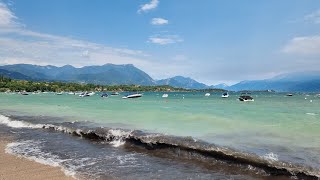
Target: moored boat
(165, 95)
(136, 95)
(245, 97)
(24, 93)
(84, 94)
(114, 94)
(104, 95)
(225, 95)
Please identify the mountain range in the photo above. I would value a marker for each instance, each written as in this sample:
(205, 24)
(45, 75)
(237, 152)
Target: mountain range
(290, 82)
(111, 74)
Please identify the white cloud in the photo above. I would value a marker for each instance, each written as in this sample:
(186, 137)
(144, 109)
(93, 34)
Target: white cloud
(7, 18)
(313, 17)
(305, 45)
(164, 40)
(149, 6)
(20, 45)
(159, 21)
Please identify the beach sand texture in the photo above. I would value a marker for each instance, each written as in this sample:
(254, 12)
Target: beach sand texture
(16, 168)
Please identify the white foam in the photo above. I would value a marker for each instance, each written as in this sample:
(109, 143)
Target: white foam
(270, 156)
(117, 143)
(119, 137)
(312, 114)
(32, 151)
(18, 124)
(119, 133)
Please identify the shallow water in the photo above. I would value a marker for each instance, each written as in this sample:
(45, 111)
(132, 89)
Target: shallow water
(274, 127)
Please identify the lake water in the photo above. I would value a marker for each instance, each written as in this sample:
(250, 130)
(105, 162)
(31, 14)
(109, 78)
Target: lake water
(184, 136)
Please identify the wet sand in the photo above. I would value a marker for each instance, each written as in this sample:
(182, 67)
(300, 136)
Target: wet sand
(16, 168)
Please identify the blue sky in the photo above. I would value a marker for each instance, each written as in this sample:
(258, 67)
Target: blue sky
(210, 41)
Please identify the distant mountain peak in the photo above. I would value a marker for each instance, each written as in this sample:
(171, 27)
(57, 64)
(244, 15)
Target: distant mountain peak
(182, 82)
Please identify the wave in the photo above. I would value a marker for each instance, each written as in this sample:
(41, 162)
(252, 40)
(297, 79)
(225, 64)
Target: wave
(31, 150)
(183, 147)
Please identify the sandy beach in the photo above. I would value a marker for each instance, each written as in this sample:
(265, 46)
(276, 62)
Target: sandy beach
(16, 168)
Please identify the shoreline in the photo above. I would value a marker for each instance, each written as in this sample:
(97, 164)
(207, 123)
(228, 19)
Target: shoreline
(16, 168)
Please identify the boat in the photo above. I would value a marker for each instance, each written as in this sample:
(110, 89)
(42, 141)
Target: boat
(289, 95)
(24, 93)
(84, 94)
(165, 95)
(136, 95)
(246, 97)
(207, 94)
(114, 94)
(91, 93)
(104, 95)
(225, 95)
(59, 93)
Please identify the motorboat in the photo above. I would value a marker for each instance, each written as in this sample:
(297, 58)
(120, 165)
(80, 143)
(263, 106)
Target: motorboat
(207, 94)
(246, 97)
(114, 94)
(225, 95)
(91, 93)
(289, 95)
(84, 94)
(165, 95)
(104, 95)
(59, 93)
(24, 93)
(136, 95)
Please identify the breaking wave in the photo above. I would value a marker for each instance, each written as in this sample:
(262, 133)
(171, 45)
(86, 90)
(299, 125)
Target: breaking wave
(183, 147)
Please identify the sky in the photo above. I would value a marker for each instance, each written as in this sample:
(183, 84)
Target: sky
(210, 41)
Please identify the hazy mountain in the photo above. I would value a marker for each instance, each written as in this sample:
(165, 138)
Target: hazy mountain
(128, 74)
(14, 75)
(105, 74)
(300, 82)
(220, 86)
(180, 81)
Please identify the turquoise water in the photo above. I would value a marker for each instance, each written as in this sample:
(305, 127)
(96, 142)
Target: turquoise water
(289, 127)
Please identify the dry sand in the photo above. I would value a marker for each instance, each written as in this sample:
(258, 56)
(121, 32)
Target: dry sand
(15, 168)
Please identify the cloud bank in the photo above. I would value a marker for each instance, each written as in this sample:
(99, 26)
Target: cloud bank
(304, 45)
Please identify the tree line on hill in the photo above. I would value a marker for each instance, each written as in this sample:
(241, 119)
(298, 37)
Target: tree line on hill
(8, 84)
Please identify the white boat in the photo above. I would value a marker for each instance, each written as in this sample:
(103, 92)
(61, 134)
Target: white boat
(225, 95)
(59, 93)
(91, 93)
(24, 93)
(207, 94)
(137, 95)
(165, 95)
(84, 94)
